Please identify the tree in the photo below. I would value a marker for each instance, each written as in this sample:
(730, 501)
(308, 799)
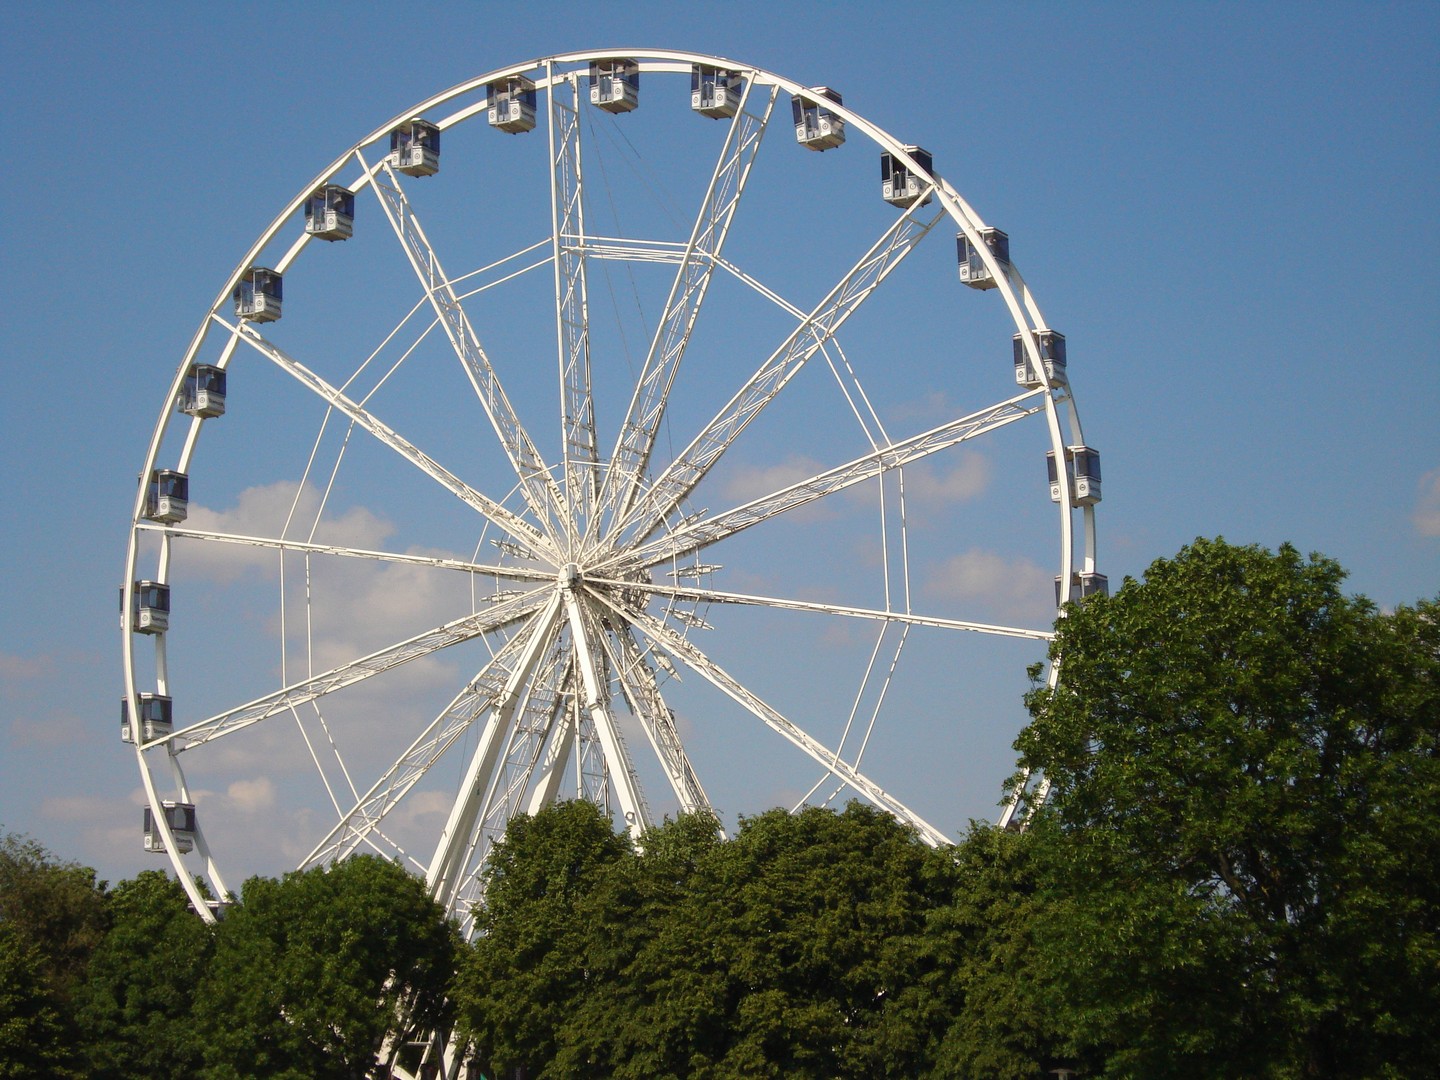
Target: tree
(58, 907)
(310, 972)
(1243, 767)
(791, 950)
(527, 970)
(33, 1033)
(52, 915)
(136, 1007)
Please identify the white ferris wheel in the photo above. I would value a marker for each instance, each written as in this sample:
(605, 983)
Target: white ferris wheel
(617, 452)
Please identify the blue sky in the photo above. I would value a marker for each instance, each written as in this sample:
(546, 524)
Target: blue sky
(1229, 209)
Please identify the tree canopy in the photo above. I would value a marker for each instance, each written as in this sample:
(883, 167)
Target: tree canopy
(1244, 786)
(1236, 873)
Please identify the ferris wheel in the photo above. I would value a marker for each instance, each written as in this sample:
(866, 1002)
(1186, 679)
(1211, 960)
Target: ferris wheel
(628, 450)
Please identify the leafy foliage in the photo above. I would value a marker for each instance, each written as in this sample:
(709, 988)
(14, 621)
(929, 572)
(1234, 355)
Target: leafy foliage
(136, 1007)
(310, 972)
(1243, 769)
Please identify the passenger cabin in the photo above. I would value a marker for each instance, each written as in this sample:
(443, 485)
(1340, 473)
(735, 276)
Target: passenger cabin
(330, 213)
(259, 295)
(1083, 584)
(973, 271)
(1082, 465)
(168, 497)
(615, 84)
(1051, 346)
(180, 816)
(150, 607)
(512, 104)
(816, 127)
(154, 722)
(899, 184)
(415, 148)
(714, 91)
(203, 393)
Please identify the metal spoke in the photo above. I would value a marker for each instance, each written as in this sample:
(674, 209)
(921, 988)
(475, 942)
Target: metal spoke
(498, 617)
(685, 651)
(817, 328)
(715, 596)
(411, 767)
(692, 536)
(518, 573)
(687, 293)
(572, 315)
(445, 874)
(642, 692)
(497, 514)
(585, 634)
(541, 493)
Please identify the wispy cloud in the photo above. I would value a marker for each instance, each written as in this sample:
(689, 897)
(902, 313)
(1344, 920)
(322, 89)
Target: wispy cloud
(996, 587)
(1427, 505)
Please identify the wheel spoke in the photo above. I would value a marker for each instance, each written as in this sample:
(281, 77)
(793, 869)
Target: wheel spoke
(642, 692)
(411, 767)
(707, 238)
(540, 490)
(498, 617)
(517, 573)
(715, 596)
(693, 536)
(445, 873)
(572, 314)
(586, 636)
(817, 328)
(497, 514)
(685, 651)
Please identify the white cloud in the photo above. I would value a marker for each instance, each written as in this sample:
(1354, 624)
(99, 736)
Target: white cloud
(250, 796)
(284, 508)
(966, 480)
(24, 667)
(754, 481)
(990, 584)
(1427, 505)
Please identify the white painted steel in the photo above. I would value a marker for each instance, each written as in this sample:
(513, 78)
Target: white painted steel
(581, 612)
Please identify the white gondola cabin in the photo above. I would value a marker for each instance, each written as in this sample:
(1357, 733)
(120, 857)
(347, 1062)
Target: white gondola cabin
(259, 295)
(816, 126)
(155, 719)
(1051, 346)
(973, 271)
(203, 393)
(330, 213)
(181, 818)
(1082, 466)
(615, 84)
(899, 184)
(150, 607)
(167, 499)
(1083, 584)
(511, 104)
(715, 91)
(415, 148)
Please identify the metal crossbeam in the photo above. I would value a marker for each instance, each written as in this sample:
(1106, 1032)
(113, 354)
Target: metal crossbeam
(682, 307)
(813, 332)
(539, 487)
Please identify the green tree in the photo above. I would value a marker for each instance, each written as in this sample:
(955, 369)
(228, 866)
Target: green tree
(527, 971)
(58, 907)
(52, 915)
(136, 1007)
(311, 971)
(34, 1038)
(1243, 769)
(790, 950)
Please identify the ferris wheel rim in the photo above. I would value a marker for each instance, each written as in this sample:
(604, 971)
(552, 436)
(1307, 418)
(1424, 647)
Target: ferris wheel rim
(1015, 293)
